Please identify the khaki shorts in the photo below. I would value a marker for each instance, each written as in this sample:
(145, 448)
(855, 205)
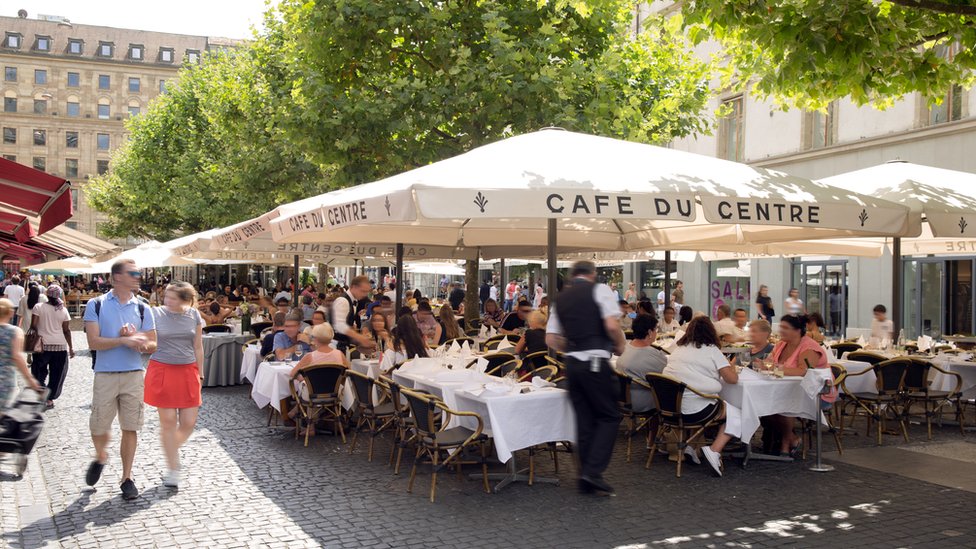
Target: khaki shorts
(117, 393)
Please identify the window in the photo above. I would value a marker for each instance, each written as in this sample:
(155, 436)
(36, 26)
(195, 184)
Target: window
(10, 136)
(40, 106)
(104, 81)
(12, 40)
(40, 138)
(104, 112)
(71, 224)
(71, 140)
(820, 128)
(42, 43)
(162, 86)
(134, 85)
(166, 55)
(74, 109)
(950, 108)
(40, 76)
(40, 163)
(9, 104)
(74, 80)
(192, 56)
(105, 49)
(71, 170)
(10, 74)
(75, 46)
(135, 52)
(102, 141)
(102, 167)
(133, 110)
(10, 157)
(730, 130)
(75, 193)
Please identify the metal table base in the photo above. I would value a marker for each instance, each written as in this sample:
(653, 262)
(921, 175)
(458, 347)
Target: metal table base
(514, 475)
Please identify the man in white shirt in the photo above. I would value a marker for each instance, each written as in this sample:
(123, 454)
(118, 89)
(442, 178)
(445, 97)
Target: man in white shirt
(14, 292)
(641, 358)
(726, 328)
(670, 324)
(881, 326)
(345, 318)
(493, 292)
(660, 303)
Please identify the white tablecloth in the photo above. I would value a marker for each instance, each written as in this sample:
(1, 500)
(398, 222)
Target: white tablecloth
(866, 383)
(966, 369)
(755, 396)
(515, 420)
(270, 385)
(249, 364)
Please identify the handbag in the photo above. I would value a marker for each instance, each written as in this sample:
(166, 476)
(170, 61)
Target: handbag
(32, 341)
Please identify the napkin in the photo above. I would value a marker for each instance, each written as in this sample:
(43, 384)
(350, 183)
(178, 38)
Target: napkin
(455, 349)
(505, 344)
(924, 343)
(497, 388)
(860, 340)
(539, 383)
(483, 332)
(491, 331)
(480, 365)
(388, 360)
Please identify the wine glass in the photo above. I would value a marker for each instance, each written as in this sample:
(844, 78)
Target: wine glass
(299, 351)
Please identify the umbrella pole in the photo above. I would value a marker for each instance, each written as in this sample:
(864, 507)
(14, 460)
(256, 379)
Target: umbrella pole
(896, 289)
(551, 258)
(399, 277)
(667, 278)
(501, 282)
(296, 282)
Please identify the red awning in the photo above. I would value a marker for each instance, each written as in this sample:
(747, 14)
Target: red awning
(35, 193)
(21, 251)
(17, 226)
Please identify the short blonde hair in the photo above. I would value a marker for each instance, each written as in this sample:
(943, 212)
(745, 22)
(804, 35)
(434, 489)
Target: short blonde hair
(6, 307)
(537, 318)
(184, 291)
(761, 325)
(323, 333)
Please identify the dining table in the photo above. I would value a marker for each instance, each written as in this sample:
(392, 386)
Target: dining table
(222, 359)
(249, 362)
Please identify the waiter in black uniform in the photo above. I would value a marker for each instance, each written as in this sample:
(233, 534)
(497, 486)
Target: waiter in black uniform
(345, 316)
(585, 326)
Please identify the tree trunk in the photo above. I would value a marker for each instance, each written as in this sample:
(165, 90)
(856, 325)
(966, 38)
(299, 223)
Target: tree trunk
(472, 305)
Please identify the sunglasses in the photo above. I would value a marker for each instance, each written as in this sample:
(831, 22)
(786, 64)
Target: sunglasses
(134, 274)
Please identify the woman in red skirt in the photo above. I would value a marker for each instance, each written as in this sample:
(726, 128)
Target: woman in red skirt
(173, 379)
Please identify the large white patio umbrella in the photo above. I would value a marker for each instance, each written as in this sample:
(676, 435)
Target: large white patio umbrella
(941, 203)
(591, 193)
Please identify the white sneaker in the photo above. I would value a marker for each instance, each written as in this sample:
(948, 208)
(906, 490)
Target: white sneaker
(690, 452)
(714, 459)
(172, 478)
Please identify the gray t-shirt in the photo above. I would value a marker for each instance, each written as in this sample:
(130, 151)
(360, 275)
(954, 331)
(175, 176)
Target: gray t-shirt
(175, 334)
(636, 362)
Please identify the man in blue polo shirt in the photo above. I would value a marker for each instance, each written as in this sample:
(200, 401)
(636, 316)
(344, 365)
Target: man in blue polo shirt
(119, 328)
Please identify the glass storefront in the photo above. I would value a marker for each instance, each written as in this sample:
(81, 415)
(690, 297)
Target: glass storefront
(729, 284)
(823, 289)
(938, 296)
(652, 278)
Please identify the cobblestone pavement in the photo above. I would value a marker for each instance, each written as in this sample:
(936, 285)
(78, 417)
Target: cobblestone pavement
(248, 485)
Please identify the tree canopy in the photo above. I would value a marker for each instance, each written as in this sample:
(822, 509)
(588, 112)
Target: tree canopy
(810, 52)
(375, 87)
(206, 154)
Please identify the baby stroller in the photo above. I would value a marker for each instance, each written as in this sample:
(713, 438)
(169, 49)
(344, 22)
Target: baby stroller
(20, 425)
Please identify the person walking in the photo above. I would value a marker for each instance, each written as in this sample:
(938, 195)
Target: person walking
(764, 304)
(119, 328)
(173, 378)
(51, 320)
(584, 324)
(14, 292)
(12, 356)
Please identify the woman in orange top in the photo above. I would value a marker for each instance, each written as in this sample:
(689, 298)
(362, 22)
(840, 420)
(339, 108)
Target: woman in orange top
(796, 352)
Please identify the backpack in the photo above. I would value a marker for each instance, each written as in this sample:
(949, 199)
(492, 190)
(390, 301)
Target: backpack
(98, 311)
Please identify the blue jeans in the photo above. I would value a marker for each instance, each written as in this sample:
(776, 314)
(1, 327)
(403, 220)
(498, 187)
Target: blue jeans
(507, 306)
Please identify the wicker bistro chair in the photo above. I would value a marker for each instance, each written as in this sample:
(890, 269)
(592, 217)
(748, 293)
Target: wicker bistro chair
(216, 329)
(258, 327)
(668, 393)
(433, 440)
(492, 342)
(461, 341)
(403, 431)
(249, 342)
(375, 416)
(887, 401)
(867, 356)
(499, 364)
(845, 347)
(634, 421)
(809, 427)
(917, 391)
(323, 388)
(547, 372)
(535, 360)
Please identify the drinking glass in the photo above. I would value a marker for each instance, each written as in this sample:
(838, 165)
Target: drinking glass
(299, 351)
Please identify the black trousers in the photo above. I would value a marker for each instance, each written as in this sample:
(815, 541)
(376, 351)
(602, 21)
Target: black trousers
(50, 368)
(594, 398)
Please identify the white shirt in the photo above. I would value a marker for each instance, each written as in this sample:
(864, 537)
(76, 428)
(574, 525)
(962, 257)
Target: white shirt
(882, 329)
(794, 306)
(493, 293)
(14, 293)
(340, 311)
(50, 322)
(660, 303)
(727, 327)
(697, 368)
(666, 328)
(609, 308)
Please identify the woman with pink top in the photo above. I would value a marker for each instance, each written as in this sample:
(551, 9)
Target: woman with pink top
(794, 353)
(323, 353)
